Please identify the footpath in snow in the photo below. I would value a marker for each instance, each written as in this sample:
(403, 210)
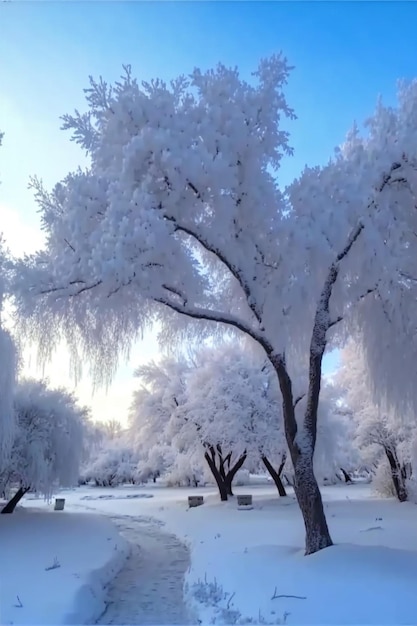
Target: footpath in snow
(149, 587)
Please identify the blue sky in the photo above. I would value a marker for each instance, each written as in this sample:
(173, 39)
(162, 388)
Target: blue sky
(344, 54)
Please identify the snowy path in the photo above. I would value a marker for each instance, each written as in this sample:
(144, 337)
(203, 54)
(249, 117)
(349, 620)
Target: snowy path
(149, 588)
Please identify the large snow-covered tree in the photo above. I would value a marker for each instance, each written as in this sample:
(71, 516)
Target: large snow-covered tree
(180, 212)
(48, 441)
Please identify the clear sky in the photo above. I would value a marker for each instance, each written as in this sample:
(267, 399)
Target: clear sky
(344, 53)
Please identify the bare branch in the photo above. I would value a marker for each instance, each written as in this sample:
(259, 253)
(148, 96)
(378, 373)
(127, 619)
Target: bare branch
(176, 292)
(361, 297)
(68, 244)
(298, 399)
(86, 288)
(335, 321)
(232, 269)
(230, 599)
(408, 276)
(275, 596)
(216, 316)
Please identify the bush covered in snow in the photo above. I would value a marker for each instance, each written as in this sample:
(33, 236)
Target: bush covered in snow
(242, 478)
(187, 471)
(411, 486)
(382, 482)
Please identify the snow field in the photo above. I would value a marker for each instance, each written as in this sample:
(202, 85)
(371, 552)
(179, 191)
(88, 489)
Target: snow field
(246, 566)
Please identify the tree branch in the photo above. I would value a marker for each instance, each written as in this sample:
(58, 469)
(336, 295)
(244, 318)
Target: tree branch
(298, 399)
(215, 316)
(362, 297)
(232, 269)
(176, 292)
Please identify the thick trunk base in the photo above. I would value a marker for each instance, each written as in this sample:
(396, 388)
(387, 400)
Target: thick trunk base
(13, 502)
(398, 473)
(223, 478)
(346, 476)
(311, 505)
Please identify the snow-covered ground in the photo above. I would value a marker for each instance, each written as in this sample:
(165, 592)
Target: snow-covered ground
(248, 566)
(54, 566)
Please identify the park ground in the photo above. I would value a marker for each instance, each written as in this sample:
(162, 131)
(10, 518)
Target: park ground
(140, 555)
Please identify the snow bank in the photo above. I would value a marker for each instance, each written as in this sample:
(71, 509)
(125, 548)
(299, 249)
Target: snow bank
(249, 566)
(55, 566)
(346, 584)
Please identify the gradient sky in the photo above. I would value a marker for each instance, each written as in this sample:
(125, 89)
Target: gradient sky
(344, 54)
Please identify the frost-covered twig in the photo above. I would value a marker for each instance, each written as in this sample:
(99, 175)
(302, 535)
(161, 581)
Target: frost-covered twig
(230, 599)
(275, 596)
(54, 565)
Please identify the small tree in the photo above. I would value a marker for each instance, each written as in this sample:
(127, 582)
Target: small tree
(48, 444)
(231, 404)
(378, 430)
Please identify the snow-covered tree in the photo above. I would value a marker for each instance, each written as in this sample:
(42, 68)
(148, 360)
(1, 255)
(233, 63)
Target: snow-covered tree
(48, 441)
(188, 469)
(231, 405)
(111, 458)
(162, 387)
(153, 461)
(180, 212)
(386, 436)
(114, 464)
(156, 427)
(220, 406)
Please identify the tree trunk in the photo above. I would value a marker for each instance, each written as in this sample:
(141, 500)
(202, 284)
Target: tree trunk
(217, 477)
(302, 448)
(290, 483)
(406, 471)
(228, 485)
(232, 473)
(311, 505)
(222, 477)
(276, 476)
(13, 502)
(346, 476)
(397, 474)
